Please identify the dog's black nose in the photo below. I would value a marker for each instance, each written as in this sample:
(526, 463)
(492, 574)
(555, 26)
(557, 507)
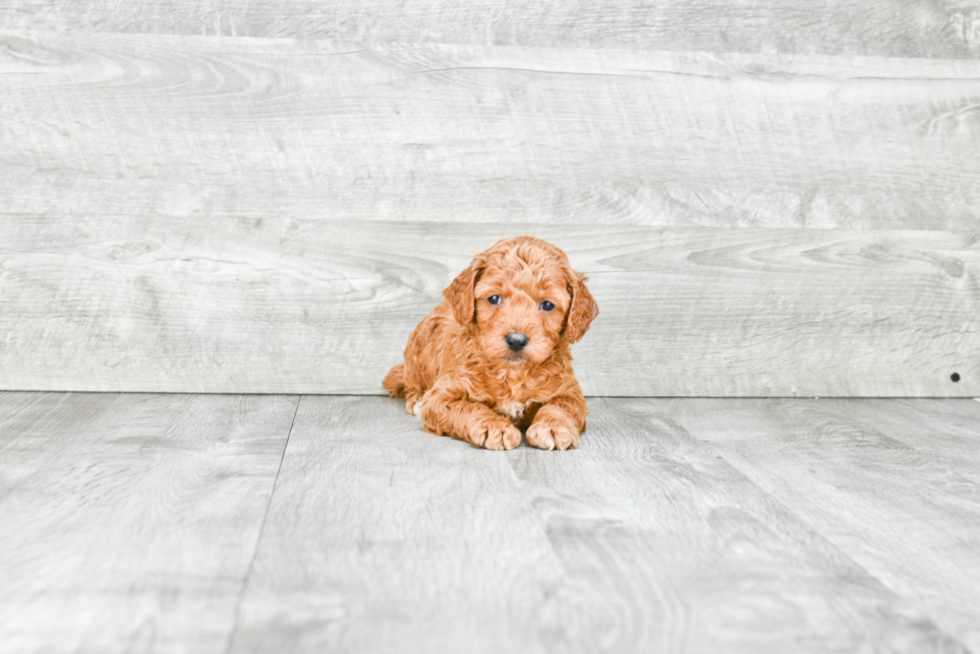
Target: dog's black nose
(516, 341)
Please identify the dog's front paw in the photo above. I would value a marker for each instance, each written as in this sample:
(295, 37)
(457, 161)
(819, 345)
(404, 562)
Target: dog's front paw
(551, 434)
(495, 435)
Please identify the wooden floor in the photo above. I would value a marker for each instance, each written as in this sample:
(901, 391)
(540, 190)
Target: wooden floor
(244, 523)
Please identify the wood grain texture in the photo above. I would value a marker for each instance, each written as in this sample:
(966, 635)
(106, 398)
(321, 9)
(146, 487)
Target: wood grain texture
(382, 538)
(893, 485)
(312, 306)
(911, 28)
(386, 533)
(946, 431)
(130, 521)
(199, 127)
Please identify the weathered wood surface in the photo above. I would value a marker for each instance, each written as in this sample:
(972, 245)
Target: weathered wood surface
(312, 306)
(130, 521)
(382, 538)
(200, 127)
(912, 28)
(246, 215)
(893, 485)
(179, 524)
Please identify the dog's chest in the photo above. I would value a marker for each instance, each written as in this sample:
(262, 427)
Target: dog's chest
(514, 410)
(518, 401)
(520, 414)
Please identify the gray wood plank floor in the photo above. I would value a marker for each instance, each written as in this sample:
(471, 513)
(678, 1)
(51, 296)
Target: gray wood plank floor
(228, 523)
(129, 521)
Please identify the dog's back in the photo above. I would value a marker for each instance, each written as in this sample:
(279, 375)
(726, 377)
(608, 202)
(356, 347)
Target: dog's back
(394, 381)
(423, 357)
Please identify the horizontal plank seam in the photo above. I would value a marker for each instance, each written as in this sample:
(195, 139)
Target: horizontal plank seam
(702, 396)
(723, 74)
(258, 540)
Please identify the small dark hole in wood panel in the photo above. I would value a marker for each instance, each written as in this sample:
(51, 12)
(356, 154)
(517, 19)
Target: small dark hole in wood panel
(955, 376)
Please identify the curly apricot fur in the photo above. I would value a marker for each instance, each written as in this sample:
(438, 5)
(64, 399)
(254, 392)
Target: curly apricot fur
(465, 381)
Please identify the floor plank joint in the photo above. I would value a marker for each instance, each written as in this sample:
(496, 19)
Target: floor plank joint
(258, 541)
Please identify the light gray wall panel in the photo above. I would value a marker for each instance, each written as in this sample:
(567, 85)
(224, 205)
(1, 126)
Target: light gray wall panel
(184, 126)
(910, 28)
(265, 215)
(312, 306)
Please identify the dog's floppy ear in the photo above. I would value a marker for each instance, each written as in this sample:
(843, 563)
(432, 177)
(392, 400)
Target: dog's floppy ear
(459, 294)
(582, 311)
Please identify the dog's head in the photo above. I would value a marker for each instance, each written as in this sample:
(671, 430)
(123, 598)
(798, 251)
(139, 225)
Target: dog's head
(522, 298)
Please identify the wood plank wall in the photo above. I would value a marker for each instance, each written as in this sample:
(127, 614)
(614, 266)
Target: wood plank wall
(906, 28)
(266, 197)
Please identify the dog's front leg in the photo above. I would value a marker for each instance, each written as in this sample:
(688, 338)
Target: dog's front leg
(558, 423)
(445, 412)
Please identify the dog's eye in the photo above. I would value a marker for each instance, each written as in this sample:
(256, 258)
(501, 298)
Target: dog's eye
(547, 306)
(494, 299)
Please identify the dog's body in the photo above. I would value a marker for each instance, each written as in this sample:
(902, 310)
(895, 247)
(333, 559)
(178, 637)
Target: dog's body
(494, 358)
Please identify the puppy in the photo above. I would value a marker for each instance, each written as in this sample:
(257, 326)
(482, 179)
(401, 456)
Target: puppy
(493, 359)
